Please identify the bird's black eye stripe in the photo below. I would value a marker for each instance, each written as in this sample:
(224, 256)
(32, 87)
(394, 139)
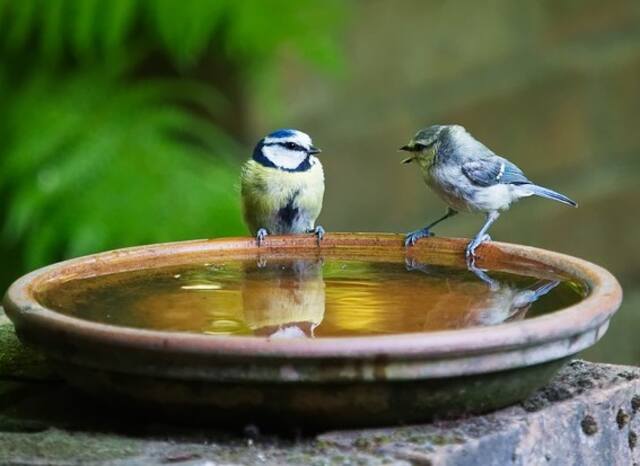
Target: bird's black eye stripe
(287, 145)
(418, 146)
(291, 146)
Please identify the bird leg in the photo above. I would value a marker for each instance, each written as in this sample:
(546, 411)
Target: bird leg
(480, 238)
(494, 285)
(414, 236)
(261, 234)
(319, 232)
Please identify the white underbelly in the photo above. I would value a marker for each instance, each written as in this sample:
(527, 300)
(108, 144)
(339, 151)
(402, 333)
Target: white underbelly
(460, 194)
(491, 198)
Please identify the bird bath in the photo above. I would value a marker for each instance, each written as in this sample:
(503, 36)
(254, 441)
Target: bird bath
(358, 331)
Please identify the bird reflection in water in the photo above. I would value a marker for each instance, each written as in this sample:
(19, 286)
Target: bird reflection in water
(283, 298)
(500, 302)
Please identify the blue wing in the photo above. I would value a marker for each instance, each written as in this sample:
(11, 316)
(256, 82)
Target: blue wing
(488, 171)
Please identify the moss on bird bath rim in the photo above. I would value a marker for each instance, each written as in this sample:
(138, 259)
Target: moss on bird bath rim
(16, 360)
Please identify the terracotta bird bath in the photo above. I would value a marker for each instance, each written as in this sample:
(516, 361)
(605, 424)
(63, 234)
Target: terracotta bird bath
(294, 354)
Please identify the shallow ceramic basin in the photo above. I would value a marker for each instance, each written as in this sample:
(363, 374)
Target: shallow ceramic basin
(324, 381)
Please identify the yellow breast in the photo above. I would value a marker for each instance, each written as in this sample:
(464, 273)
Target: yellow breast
(266, 190)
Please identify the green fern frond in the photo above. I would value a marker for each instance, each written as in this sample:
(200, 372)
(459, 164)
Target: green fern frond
(19, 19)
(92, 158)
(186, 27)
(251, 31)
(85, 22)
(52, 29)
(117, 20)
(98, 165)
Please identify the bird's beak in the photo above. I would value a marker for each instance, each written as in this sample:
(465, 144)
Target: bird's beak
(408, 148)
(313, 150)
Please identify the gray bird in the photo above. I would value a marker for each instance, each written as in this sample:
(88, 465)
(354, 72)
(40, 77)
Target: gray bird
(468, 176)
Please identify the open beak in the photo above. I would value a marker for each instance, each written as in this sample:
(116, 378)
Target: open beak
(407, 148)
(313, 150)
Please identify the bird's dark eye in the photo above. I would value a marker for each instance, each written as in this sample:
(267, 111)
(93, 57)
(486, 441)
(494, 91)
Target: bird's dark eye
(291, 145)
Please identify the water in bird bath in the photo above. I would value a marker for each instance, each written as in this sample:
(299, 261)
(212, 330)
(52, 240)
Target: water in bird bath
(309, 298)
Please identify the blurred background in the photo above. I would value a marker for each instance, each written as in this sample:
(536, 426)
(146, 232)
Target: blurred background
(125, 122)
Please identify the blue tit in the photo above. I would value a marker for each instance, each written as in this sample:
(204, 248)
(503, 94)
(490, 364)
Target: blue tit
(283, 186)
(468, 176)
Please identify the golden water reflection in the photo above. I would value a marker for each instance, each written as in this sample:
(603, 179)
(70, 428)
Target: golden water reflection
(307, 298)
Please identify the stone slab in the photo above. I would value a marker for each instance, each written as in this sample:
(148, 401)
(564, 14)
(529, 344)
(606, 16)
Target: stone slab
(587, 415)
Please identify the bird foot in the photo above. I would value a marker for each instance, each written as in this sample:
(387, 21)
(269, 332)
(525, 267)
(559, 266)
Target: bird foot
(471, 249)
(261, 234)
(319, 232)
(414, 236)
(261, 262)
(410, 264)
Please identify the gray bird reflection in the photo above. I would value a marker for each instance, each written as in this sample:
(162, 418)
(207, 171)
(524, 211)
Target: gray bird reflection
(502, 303)
(283, 298)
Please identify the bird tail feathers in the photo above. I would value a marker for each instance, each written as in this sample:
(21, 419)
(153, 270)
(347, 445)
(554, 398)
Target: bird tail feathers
(550, 194)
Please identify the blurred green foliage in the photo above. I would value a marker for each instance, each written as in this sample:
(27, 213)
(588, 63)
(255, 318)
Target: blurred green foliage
(111, 133)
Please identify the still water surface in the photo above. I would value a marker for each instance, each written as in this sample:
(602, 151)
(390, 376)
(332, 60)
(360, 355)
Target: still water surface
(303, 298)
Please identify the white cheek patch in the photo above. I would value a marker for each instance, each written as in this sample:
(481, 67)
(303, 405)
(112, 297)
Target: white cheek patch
(283, 157)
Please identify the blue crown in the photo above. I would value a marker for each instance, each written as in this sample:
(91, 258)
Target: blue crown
(282, 133)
